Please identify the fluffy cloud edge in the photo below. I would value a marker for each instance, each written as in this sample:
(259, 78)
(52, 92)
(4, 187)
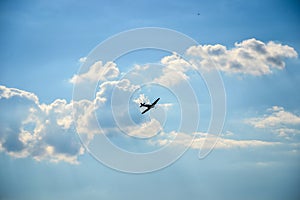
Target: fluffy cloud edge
(277, 120)
(96, 72)
(39, 131)
(249, 57)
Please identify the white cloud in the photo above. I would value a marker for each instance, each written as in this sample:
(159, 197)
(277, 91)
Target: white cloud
(144, 130)
(286, 132)
(82, 59)
(278, 121)
(228, 133)
(266, 164)
(224, 143)
(165, 106)
(209, 140)
(14, 92)
(47, 131)
(251, 57)
(141, 99)
(170, 71)
(97, 72)
(276, 116)
(43, 132)
(122, 88)
(174, 70)
(105, 113)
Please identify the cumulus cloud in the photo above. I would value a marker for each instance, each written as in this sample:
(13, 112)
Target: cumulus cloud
(29, 128)
(112, 109)
(250, 56)
(278, 120)
(97, 72)
(83, 116)
(121, 89)
(47, 131)
(99, 115)
(44, 132)
(174, 70)
(141, 99)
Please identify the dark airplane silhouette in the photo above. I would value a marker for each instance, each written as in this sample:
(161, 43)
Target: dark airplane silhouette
(149, 106)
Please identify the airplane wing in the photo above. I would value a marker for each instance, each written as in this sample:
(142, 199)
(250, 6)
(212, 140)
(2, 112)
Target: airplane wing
(146, 110)
(155, 102)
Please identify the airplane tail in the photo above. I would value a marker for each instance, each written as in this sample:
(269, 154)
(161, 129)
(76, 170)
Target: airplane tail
(142, 104)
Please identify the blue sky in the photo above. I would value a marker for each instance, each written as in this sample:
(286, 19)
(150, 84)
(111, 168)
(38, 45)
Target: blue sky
(254, 44)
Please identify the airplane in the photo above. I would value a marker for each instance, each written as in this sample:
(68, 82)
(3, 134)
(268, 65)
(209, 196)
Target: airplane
(149, 106)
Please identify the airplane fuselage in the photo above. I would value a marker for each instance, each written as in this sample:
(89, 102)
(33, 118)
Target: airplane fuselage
(149, 106)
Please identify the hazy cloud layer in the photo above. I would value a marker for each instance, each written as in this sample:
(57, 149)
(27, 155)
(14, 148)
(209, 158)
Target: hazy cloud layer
(204, 141)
